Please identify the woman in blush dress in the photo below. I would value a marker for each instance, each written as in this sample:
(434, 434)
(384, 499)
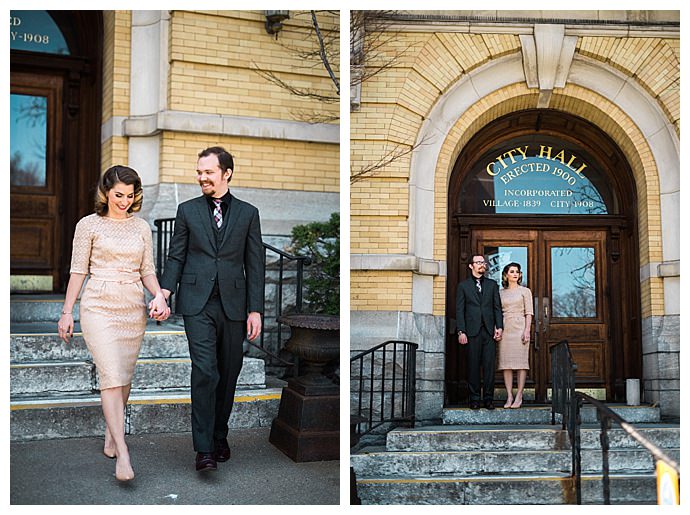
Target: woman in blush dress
(115, 249)
(513, 351)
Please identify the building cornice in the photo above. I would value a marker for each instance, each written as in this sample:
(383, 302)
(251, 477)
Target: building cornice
(224, 125)
(519, 25)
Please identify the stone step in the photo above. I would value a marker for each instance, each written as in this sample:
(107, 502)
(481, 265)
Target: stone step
(541, 415)
(40, 342)
(502, 438)
(484, 462)
(38, 308)
(36, 378)
(506, 489)
(150, 412)
(48, 307)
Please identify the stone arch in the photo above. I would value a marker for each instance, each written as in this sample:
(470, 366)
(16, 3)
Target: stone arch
(624, 110)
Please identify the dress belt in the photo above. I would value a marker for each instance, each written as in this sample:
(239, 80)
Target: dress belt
(115, 276)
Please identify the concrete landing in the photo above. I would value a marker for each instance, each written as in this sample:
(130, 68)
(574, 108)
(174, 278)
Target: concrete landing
(73, 471)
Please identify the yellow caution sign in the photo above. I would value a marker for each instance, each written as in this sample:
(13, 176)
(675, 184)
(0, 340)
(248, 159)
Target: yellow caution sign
(666, 485)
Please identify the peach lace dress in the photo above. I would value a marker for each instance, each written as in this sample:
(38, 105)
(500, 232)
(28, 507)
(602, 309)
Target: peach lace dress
(112, 310)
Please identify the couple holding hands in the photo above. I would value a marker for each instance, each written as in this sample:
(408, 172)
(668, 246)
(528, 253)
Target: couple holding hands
(487, 318)
(215, 265)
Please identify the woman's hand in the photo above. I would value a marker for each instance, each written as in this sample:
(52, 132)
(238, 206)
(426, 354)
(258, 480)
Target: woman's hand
(526, 337)
(158, 308)
(66, 327)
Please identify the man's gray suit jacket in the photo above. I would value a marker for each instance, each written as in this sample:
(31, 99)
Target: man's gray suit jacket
(195, 262)
(473, 309)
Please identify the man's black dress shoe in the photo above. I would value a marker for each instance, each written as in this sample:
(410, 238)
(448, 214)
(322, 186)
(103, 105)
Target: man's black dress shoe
(474, 405)
(205, 461)
(221, 450)
(489, 405)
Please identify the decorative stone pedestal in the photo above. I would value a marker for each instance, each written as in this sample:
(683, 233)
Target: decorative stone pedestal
(307, 425)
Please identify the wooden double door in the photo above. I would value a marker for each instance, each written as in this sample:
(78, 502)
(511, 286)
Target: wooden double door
(568, 273)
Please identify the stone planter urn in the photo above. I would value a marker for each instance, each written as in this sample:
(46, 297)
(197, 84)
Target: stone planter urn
(315, 340)
(307, 425)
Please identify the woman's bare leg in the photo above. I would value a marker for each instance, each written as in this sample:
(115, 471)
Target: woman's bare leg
(508, 380)
(113, 410)
(109, 445)
(521, 378)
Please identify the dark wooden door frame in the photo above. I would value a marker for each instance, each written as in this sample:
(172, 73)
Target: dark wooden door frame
(79, 152)
(622, 241)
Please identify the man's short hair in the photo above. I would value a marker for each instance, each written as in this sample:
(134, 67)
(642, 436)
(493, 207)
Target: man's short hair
(224, 157)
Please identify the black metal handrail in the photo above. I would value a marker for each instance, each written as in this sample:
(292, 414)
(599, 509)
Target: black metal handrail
(386, 386)
(165, 228)
(568, 402)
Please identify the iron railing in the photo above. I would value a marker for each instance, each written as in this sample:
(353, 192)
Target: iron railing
(165, 228)
(568, 402)
(383, 381)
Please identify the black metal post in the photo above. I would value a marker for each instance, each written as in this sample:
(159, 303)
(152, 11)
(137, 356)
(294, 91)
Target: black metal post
(604, 439)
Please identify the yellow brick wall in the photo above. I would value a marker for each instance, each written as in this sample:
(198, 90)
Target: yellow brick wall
(380, 291)
(259, 163)
(122, 62)
(653, 62)
(214, 55)
(116, 74)
(114, 151)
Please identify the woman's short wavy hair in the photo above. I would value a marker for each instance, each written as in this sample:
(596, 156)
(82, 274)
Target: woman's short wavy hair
(504, 274)
(112, 176)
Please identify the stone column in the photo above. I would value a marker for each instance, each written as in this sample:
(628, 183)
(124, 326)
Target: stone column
(148, 96)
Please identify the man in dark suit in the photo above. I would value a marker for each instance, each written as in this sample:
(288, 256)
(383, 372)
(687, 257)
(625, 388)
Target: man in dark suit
(216, 265)
(479, 318)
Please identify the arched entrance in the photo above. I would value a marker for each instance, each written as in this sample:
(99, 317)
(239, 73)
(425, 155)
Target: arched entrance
(553, 192)
(55, 122)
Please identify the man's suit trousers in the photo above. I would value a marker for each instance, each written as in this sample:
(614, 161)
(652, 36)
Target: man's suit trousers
(215, 347)
(481, 357)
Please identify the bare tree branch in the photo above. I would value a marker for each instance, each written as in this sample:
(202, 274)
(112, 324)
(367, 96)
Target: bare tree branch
(322, 52)
(387, 159)
(297, 91)
(369, 34)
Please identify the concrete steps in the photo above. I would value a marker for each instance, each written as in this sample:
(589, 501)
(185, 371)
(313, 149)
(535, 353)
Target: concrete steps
(506, 489)
(53, 384)
(531, 415)
(500, 458)
(151, 412)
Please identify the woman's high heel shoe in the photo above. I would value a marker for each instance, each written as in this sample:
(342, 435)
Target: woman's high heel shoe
(508, 403)
(517, 403)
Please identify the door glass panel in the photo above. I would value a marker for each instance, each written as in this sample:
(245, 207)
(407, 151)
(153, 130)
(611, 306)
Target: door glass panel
(573, 282)
(498, 257)
(36, 31)
(28, 138)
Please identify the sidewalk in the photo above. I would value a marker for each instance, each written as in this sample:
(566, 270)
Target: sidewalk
(73, 471)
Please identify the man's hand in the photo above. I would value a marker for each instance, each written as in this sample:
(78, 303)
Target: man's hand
(253, 325)
(498, 334)
(462, 339)
(158, 308)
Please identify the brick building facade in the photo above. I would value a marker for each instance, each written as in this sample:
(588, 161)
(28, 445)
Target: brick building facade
(458, 80)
